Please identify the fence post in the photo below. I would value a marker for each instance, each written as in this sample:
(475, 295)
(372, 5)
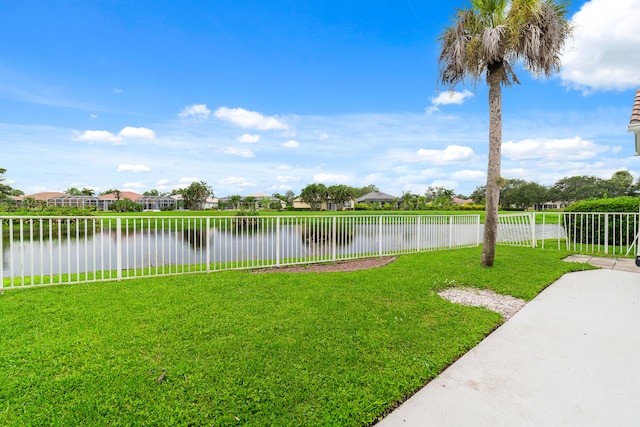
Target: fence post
(335, 237)
(119, 248)
(208, 245)
(380, 235)
(606, 234)
(419, 234)
(278, 241)
(532, 218)
(450, 231)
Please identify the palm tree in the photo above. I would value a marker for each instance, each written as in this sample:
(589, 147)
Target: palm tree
(489, 39)
(236, 199)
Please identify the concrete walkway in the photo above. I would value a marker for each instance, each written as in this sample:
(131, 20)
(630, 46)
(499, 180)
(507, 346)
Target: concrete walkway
(570, 357)
(621, 264)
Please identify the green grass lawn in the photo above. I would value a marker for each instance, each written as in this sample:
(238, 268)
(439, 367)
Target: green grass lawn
(249, 349)
(552, 217)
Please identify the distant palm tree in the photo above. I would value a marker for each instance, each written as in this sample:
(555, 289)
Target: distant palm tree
(235, 200)
(489, 39)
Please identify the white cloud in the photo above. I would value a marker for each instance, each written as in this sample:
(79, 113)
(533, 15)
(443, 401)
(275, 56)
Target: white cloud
(242, 152)
(236, 181)
(446, 183)
(249, 119)
(285, 178)
(195, 111)
(605, 50)
(99, 136)
(188, 180)
(284, 168)
(163, 182)
(325, 178)
(279, 188)
(552, 149)
(106, 137)
(517, 173)
(248, 138)
(469, 176)
(446, 98)
(142, 133)
(291, 144)
(133, 168)
(450, 155)
(117, 91)
(132, 186)
(93, 116)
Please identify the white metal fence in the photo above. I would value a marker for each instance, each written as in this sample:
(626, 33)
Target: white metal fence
(516, 229)
(53, 250)
(50, 250)
(587, 233)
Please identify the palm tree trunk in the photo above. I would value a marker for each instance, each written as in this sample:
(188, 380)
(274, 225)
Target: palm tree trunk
(493, 170)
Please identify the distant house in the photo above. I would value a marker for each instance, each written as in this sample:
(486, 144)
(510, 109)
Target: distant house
(551, 205)
(634, 123)
(377, 197)
(209, 203)
(55, 198)
(40, 197)
(111, 198)
(157, 203)
(82, 202)
(326, 205)
(299, 204)
(260, 198)
(459, 201)
(104, 202)
(121, 196)
(253, 201)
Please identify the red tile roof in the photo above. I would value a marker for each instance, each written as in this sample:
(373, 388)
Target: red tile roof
(45, 195)
(635, 112)
(123, 195)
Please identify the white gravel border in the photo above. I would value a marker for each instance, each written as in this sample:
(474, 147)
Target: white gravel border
(506, 305)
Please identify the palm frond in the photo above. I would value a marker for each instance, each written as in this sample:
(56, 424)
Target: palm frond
(503, 32)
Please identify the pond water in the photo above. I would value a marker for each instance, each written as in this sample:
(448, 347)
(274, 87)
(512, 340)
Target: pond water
(108, 250)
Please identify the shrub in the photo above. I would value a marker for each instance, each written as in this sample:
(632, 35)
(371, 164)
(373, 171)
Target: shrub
(125, 205)
(616, 204)
(592, 228)
(471, 207)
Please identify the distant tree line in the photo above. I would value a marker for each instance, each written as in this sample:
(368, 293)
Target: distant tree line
(521, 194)
(315, 195)
(514, 194)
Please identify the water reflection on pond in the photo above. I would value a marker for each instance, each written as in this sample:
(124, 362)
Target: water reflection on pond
(96, 248)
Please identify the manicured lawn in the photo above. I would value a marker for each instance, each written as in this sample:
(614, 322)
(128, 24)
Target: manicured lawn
(248, 349)
(551, 216)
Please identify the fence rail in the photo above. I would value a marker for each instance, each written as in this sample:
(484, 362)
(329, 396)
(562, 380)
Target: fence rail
(54, 250)
(587, 233)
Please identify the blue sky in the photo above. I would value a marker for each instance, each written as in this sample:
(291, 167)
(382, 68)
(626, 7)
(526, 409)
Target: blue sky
(266, 96)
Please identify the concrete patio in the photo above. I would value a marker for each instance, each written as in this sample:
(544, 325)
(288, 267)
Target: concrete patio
(568, 358)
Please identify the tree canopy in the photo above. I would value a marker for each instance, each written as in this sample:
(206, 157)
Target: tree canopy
(6, 190)
(195, 195)
(314, 195)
